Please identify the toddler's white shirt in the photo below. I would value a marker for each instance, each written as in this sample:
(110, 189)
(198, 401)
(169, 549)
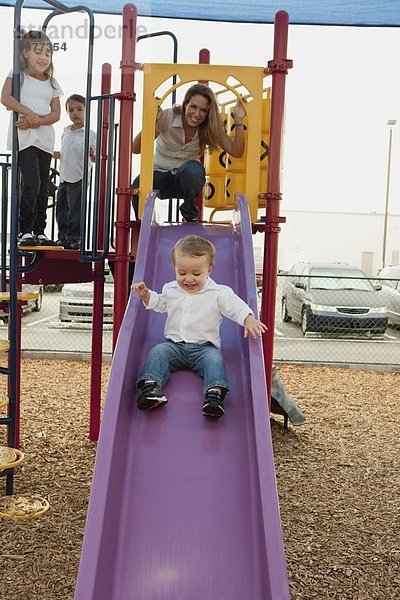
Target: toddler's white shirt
(196, 318)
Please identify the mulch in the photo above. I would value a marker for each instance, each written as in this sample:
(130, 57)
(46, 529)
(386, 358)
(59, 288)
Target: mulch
(338, 482)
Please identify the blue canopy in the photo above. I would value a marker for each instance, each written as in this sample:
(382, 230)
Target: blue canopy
(372, 13)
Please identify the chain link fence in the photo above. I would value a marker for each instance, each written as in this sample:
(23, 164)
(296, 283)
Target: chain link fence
(337, 320)
(315, 321)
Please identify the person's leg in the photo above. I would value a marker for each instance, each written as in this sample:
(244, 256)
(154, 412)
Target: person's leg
(190, 179)
(207, 361)
(62, 211)
(162, 181)
(74, 199)
(162, 360)
(44, 160)
(29, 166)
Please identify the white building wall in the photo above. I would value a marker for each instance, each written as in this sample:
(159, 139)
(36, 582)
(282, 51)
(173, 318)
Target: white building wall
(354, 238)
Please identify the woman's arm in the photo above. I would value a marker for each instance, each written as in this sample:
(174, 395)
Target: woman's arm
(137, 140)
(235, 146)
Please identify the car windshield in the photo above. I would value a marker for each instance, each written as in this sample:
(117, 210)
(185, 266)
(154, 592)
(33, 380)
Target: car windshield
(338, 279)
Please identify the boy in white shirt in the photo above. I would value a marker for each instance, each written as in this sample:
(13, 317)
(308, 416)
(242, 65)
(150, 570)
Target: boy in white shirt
(195, 305)
(69, 194)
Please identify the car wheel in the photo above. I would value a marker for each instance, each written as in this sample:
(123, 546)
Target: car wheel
(304, 321)
(285, 315)
(38, 302)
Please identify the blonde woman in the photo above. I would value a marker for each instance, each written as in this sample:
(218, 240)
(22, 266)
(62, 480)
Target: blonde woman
(182, 133)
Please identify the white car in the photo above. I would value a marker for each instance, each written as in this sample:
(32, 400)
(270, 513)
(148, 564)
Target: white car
(389, 278)
(33, 304)
(76, 302)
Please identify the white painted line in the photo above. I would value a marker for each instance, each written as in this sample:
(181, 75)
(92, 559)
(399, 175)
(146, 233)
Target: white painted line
(41, 320)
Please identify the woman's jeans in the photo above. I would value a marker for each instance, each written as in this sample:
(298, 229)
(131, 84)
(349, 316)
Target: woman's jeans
(204, 359)
(187, 183)
(34, 165)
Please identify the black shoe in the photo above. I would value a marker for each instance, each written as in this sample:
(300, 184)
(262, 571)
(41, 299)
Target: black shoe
(190, 220)
(213, 405)
(43, 240)
(151, 396)
(73, 245)
(26, 239)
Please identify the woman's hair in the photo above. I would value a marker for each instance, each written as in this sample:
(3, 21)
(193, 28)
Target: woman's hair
(195, 246)
(29, 39)
(210, 130)
(75, 98)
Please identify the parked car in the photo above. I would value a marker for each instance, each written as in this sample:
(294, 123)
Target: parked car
(76, 302)
(389, 278)
(33, 304)
(332, 298)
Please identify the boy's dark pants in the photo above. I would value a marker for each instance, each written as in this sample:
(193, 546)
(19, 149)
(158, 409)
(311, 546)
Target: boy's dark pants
(68, 211)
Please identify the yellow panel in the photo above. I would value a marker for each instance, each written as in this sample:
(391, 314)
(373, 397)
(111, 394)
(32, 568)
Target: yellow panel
(156, 74)
(214, 191)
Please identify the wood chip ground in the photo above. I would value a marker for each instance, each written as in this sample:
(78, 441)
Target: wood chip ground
(338, 480)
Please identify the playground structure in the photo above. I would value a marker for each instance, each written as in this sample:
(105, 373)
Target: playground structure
(251, 552)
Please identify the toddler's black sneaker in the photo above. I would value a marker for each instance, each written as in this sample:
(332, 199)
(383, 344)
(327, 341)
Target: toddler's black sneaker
(213, 405)
(151, 396)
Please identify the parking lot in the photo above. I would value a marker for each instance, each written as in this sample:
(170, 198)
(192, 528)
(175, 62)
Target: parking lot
(44, 332)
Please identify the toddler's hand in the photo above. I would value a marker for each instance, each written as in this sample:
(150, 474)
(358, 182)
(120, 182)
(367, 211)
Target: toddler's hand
(141, 290)
(254, 327)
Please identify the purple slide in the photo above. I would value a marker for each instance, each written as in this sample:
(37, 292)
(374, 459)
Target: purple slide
(184, 507)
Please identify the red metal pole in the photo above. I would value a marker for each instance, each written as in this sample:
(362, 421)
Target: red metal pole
(98, 285)
(278, 67)
(204, 59)
(124, 176)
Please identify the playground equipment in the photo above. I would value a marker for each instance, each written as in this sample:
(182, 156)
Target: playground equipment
(180, 508)
(24, 265)
(149, 491)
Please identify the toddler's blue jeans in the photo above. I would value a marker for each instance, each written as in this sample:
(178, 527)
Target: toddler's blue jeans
(204, 359)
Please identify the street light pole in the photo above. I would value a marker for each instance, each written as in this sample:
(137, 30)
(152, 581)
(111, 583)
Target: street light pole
(391, 123)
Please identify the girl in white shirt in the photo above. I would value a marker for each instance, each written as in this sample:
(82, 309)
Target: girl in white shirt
(195, 305)
(38, 108)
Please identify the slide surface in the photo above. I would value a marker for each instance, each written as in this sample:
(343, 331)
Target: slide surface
(184, 507)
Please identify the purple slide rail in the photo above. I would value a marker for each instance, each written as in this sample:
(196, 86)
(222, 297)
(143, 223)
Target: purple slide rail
(184, 507)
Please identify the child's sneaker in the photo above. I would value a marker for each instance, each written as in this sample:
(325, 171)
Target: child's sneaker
(43, 240)
(213, 405)
(26, 239)
(151, 396)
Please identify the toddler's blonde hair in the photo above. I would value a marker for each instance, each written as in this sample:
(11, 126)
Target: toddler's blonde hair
(195, 246)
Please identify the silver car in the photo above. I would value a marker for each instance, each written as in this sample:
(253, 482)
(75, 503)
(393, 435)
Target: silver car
(76, 302)
(389, 278)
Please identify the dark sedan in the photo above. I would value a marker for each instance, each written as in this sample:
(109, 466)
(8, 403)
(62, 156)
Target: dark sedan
(333, 298)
